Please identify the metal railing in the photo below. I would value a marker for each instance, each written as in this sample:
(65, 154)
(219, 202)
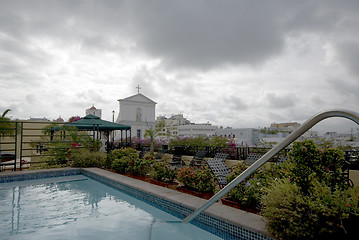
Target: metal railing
(24, 145)
(275, 150)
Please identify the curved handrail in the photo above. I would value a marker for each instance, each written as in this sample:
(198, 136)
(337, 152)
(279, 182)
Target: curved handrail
(291, 138)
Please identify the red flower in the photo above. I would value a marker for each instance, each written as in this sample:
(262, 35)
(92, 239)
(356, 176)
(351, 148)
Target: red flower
(75, 145)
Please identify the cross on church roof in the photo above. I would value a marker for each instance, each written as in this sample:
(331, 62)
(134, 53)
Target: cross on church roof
(138, 88)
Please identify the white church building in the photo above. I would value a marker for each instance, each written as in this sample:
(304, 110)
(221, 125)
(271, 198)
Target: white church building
(137, 111)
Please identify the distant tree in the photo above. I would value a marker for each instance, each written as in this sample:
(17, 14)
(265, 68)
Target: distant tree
(6, 127)
(152, 133)
(5, 124)
(74, 119)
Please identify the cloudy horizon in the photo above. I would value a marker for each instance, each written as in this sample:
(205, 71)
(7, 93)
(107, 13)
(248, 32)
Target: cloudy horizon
(233, 63)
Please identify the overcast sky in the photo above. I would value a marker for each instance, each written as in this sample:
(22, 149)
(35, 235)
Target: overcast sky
(240, 63)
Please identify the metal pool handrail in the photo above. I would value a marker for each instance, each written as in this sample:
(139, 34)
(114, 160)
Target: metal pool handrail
(291, 138)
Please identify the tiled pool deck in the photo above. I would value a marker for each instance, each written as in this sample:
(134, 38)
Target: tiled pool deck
(227, 222)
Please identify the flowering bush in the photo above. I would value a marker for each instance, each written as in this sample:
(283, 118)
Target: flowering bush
(187, 177)
(310, 162)
(198, 179)
(141, 142)
(231, 149)
(74, 119)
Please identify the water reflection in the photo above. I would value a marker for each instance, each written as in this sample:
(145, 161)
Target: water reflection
(16, 209)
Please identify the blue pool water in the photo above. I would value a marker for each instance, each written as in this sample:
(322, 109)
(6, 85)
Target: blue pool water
(77, 207)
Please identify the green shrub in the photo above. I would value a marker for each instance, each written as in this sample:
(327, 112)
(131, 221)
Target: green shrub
(121, 165)
(309, 162)
(311, 199)
(205, 180)
(163, 172)
(127, 161)
(285, 210)
(249, 192)
(333, 162)
(61, 150)
(306, 159)
(118, 154)
(140, 167)
(291, 214)
(86, 158)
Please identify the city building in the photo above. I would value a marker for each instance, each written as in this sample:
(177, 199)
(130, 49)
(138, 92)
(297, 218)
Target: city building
(196, 130)
(242, 136)
(59, 119)
(330, 135)
(171, 124)
(177, 125)
(289, 127)
(94, 111)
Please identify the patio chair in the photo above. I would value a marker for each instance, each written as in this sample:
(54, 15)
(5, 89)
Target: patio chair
(219, 170)
(197, 160)
(177, 161)
(251, 158)
(177, 157)
(160, 155)
(143, 152)
(221, 156)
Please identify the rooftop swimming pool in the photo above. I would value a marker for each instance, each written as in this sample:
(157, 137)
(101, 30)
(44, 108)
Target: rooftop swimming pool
(70, 205)
(77, 207)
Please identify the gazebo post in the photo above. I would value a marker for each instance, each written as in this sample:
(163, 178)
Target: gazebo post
(130, 137)
(108, 147)
(98, 131)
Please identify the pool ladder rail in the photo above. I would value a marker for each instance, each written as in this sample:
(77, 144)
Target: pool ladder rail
(276, 149)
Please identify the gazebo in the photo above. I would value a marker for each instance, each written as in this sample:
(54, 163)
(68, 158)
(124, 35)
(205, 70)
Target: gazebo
(97, 125)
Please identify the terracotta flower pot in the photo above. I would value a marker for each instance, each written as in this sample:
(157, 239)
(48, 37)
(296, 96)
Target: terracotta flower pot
(228, 202)
(195, 193)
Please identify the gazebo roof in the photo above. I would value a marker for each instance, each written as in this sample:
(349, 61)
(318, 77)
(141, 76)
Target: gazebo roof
(91, 122)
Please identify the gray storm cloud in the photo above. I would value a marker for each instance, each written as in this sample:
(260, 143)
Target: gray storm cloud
(195, 55)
